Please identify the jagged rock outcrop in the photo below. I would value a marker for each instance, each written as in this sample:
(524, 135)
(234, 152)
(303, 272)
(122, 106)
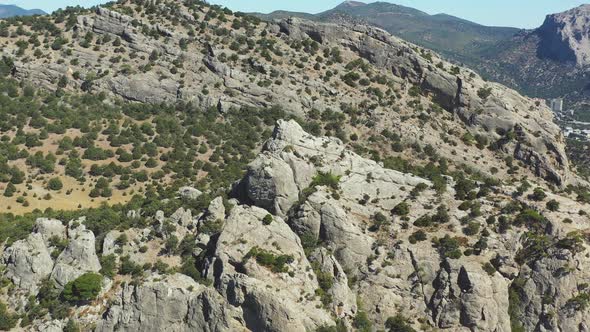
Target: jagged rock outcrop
(466, 295)
(551, 292)
(337, 250)
(276, 178)
(50, 229)
(344, 300)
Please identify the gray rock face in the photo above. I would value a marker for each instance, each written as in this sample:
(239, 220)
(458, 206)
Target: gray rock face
(328, 221)
(328, 253)
(176, 303)
(145, 88)
(50, 228)
(78, 257)
(277, 177)
(28, 262)
(468, 296)
(270, 301)
(271, 185)
(344, 300)
(216, 210)
(548, 292)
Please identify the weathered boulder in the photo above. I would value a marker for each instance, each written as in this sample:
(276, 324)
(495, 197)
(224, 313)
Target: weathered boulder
(50, 228)
(189, 192)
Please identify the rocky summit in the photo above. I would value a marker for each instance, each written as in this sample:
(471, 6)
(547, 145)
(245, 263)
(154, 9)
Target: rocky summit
(565, 36)
(175, 166)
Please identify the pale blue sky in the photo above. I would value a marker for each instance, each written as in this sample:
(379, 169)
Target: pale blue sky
(516, 13)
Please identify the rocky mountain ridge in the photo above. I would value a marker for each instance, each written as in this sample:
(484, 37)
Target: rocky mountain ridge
(400, 192)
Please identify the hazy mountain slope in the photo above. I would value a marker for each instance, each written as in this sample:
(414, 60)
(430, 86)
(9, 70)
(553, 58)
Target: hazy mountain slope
(11, 11)
(547, 62)
(451, 36)
(446, 34)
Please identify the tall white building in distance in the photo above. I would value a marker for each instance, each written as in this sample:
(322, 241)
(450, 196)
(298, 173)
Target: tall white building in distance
(557, 105)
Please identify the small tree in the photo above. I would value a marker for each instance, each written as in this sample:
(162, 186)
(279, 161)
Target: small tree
(10, 190)
(398, 323)
(171, 244)
(267, 220)
(85, 288)
(553, 205)
(402, 209)
(538, 194)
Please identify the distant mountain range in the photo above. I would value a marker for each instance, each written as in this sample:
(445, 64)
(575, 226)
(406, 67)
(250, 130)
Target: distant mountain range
(12, 10)
(548, 62)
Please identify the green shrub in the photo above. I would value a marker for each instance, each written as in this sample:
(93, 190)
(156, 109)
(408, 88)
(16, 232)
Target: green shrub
(538, 194)
(267, 220)
(7, 320)
(326, 179)
(108, 265)
(448, 247)
(361, 322)
(471, 229)
(71, 326)
(398, 323)
(402, 209)
(10, 190)
(532, 219)
(489, 268)
(128, 267)
(270, 260)
(579, 302)
(484, 93)
(54, 184)
(417, 236)
(553, 205)
(211, 227)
